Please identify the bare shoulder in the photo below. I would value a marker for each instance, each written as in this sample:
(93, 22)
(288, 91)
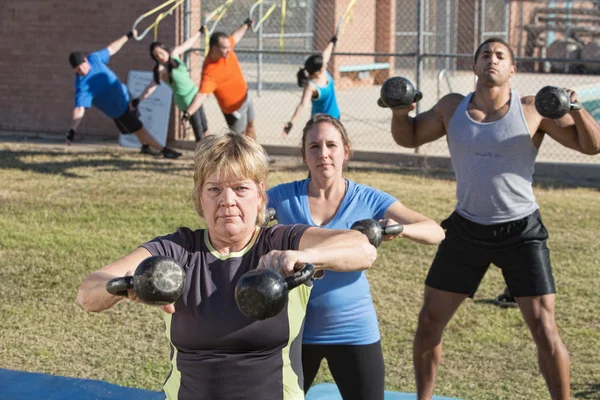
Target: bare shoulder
(448, 104)
(528, 104)
(528, 101)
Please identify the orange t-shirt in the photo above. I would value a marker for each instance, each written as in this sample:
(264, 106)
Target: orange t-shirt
(224, 77)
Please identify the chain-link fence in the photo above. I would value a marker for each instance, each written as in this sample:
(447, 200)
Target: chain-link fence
(430, 42)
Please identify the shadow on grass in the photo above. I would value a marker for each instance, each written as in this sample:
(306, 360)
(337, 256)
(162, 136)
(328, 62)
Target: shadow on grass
(105, 160)
(438, 174)
(586, 391)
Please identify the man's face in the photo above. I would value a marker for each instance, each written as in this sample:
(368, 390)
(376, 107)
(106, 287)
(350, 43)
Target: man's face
(494, 65)
(83, 68)
(223, 47)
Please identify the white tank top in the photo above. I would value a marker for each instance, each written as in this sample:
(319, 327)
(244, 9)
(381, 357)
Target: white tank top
(493, 163)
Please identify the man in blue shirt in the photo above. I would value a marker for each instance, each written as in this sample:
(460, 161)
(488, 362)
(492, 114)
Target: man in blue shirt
(97, 85)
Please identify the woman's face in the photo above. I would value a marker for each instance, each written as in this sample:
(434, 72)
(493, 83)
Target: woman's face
(161, 54)
(324, 151)
(230, 206)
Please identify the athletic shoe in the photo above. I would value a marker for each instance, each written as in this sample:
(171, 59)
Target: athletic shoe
(149, 150)
(70, 136)
(170, 153)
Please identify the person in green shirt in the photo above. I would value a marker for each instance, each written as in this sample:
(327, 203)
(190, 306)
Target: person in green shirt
(172, 70)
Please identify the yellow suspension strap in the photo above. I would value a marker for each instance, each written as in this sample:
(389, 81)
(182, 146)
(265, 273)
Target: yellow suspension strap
(216, 15)
(265, 16)
(283, 5)
(348, 13)
(158, 19)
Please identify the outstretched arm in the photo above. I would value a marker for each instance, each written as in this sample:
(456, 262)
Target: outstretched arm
(196, 103)
(92, 294)
(578, 130)
(328, 50)
(417, 227)
(78, 113)
(185, 46)
(149, 89)
(115, 46)
(338, 250)
(304, 102)
(239, 33)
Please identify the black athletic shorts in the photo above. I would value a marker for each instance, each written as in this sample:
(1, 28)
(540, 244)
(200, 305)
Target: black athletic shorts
(129, 121)
(518, 248)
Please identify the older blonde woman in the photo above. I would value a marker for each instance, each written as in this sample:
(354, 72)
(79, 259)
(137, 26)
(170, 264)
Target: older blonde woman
(217, 352)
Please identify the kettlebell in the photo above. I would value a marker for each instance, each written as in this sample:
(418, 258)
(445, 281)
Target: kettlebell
(157, 281)
(397, 92)
(375, 231)
(554, 102)
(262, 294)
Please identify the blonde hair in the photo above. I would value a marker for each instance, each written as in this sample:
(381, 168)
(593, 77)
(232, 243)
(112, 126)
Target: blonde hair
(230, 154)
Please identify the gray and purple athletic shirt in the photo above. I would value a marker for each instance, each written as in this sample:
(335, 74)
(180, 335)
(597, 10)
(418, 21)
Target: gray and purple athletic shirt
(216, 352)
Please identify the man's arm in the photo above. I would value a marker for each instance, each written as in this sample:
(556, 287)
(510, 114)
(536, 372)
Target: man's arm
(196, 103)
(239, 33)
(578, 130)
(115, 46)
(424, 128)
(78, 113)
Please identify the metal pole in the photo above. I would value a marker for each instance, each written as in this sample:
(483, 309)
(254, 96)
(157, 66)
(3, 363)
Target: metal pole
(419, 58)
(186, 29)
(482, 21)
(259, 59)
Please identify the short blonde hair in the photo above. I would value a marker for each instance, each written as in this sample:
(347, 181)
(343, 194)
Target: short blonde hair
(230, 153)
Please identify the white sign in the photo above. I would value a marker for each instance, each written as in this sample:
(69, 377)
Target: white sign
(154, 110)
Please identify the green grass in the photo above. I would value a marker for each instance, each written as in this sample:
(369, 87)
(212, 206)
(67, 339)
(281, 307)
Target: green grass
(64, 214)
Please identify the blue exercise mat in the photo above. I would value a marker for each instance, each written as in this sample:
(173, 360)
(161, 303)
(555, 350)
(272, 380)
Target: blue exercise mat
(19, 385)
(329, 391)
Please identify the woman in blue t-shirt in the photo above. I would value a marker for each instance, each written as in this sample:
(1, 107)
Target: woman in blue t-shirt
(318, 85)
(341, 325)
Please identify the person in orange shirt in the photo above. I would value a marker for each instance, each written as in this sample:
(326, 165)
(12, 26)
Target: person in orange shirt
(222, 75)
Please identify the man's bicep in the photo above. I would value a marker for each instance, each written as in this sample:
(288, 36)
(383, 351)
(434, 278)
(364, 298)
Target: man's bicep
(429, 126)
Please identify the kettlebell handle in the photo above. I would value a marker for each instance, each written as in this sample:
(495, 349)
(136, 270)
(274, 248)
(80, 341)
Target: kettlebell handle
(119, 286)
(576, 106)
(300, 277)
(393, 229)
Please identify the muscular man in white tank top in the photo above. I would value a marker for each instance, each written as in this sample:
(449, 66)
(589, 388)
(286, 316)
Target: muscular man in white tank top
(494, 135)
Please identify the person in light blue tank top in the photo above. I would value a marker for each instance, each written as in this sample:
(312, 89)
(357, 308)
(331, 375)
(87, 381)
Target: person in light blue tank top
(341, 325)
(493, 135)
(319, 87)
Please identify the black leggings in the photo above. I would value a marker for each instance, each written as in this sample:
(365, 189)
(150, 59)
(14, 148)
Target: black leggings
(358, 370)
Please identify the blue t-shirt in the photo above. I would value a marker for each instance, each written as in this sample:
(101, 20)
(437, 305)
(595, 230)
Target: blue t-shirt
(340, 309)
(326, 101)
(101, 87)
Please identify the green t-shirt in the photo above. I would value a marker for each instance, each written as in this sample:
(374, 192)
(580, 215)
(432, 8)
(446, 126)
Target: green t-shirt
(183, 87)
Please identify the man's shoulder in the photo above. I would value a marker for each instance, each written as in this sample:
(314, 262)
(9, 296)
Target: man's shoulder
(449, 103)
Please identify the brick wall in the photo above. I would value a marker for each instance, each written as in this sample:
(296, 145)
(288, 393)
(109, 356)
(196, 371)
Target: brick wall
(36, 37)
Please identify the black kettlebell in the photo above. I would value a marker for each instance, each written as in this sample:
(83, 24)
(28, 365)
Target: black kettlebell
(375, 231)
(554, 102)
(157, 281)
(270, 215)
(262, 294)
(398, 92)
